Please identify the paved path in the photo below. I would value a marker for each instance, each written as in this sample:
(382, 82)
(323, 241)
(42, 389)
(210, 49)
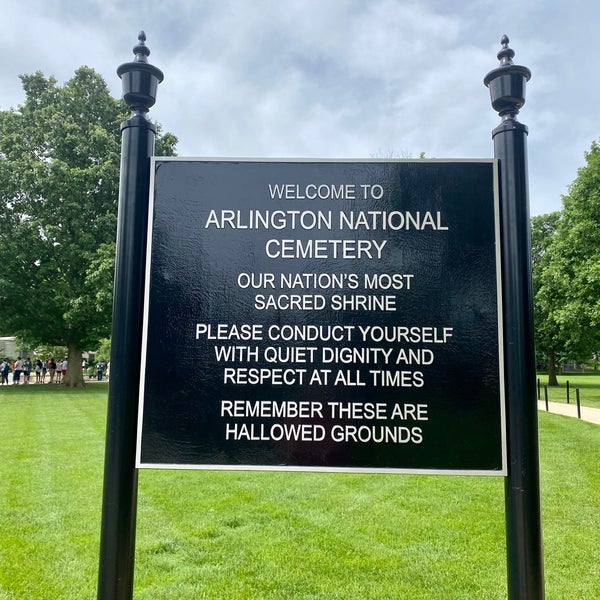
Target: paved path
(570, 410)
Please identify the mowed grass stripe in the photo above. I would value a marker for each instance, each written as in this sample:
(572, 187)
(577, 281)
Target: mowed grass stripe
(52, 442)
(330, 535)
(570, 483)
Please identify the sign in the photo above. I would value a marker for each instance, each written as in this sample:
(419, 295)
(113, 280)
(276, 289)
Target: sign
(323, 316)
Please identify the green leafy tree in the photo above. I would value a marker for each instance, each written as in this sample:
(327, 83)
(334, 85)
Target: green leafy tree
(577, 252)
(567, 272)
(548, 295)
(59, 177)
(103, 351)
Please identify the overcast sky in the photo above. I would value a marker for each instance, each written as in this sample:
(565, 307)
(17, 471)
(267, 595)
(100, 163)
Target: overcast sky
(333, 78)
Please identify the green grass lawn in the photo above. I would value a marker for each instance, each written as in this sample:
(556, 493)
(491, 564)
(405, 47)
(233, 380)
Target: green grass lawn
(228, 535)
(588, 384)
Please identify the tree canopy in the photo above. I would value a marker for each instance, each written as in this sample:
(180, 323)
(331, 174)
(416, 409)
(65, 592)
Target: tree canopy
(579, 249)
(59, 178)
(566, 269)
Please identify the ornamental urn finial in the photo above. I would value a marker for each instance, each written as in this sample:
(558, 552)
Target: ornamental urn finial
(507, 83)
(140, 79)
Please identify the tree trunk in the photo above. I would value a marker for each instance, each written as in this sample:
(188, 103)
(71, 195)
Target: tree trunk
(74, 376)
(552, 369)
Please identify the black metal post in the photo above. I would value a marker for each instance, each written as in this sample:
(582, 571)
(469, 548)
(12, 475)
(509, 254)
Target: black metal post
(578, 403)
(119, 507)
(522, 494)
(546, 397)
(568, 392)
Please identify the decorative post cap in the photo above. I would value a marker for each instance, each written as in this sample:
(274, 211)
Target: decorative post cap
(507, 83)
(140, 79)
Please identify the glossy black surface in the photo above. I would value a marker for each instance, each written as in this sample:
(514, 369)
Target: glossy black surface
(197, 257)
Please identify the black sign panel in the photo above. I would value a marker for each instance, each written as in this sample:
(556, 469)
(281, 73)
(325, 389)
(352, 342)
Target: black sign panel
(323, 315)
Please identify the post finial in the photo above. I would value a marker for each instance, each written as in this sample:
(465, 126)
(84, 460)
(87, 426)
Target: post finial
(140, 78)
(507, 83)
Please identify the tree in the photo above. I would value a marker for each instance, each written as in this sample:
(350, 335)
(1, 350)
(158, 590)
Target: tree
(578, 246)
(547, 294)
(59, 173)
(567, 269)
(103, 351)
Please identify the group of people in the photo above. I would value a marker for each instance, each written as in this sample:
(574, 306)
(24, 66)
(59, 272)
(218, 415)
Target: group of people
(24, 367)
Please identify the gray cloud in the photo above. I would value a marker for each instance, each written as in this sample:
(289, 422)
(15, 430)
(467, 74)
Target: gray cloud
(331, 78)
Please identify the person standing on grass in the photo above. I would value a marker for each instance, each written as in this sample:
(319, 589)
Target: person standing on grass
(4, 369)
(38, 371)
(64, 368)
(44, 370)
(17, 368)
(52, 369)
(27, 370)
